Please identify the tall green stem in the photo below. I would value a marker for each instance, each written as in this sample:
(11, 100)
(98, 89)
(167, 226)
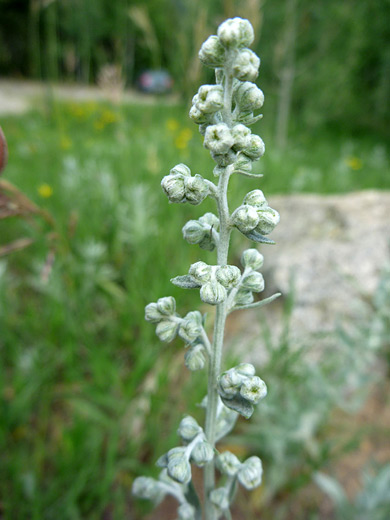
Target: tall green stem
(220, 319)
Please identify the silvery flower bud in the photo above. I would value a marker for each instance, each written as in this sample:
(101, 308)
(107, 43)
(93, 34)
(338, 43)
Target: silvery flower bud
(188, 428)
(207, 243)
(200, 271)
(178, 466)
(242, 136)
(252, 259)
(186, 512)
(254, 282)
(202, 453)
(268, 219)
(218, 138)
(229, 383)
(253, 389)
(245, 218)
(193, 232)
(220, 498)
(166, 330)
(181, 169)
(251, 473)
(255, 147)
(236, 32)
(173, 187)
(197, 115)
(210, 98)
(249, 97)
(191, 327)
(228, 276)
(243, 297)
(256, 198)
(243, 162)
(228, 463)
(213, 293)
(223, 159)
(194, 358)
(245, 369)
(166, 305)
(147, 488)
(246, 65)
(212, 53)
(196, 189)
(152, 313)
(210, 219)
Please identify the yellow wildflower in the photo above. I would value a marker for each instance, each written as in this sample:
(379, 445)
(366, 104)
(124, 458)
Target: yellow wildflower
(172, 124)
(45, 191)
(65, 143)
(354, 163)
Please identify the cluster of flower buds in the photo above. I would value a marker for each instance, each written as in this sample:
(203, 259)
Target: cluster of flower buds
(202, 231)
(254, 215)
(198, 450)
(234, 35)
(214, 280)
(240, 389)
(233, 145)
(164, 314)
(180, 186)
(251, 280)
(190, 331)
(248, 473)
(206, 103)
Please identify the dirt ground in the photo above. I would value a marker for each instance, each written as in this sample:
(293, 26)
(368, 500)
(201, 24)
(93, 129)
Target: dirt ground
(18, 96)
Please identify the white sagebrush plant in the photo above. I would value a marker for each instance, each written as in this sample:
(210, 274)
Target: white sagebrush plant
(223, 112)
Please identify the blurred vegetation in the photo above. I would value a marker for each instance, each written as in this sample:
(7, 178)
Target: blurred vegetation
(323, 62)
(88, 395)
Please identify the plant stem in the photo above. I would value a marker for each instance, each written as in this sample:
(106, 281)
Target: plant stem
(220, 319)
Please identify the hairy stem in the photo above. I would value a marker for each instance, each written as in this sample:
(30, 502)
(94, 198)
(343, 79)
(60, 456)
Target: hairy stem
(220, 319)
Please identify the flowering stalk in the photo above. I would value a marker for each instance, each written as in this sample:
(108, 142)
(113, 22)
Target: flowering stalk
(223, 112)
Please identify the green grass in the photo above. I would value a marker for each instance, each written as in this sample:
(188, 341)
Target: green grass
(89, 397)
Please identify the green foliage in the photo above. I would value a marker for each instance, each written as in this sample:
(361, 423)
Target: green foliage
(75, 350)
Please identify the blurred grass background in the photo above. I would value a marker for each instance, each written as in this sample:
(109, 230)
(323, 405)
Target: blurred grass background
(89, 397)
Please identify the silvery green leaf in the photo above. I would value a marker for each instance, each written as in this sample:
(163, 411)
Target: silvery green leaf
(185, 282)
(193, 499)
(251, 473)
(257, 237)
(240, 405)
(251, 120)
(225, 422)
(249, 174)
(162, 462)
(260, 303)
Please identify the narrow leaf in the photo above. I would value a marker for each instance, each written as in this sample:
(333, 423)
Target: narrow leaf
(249, 174)
(193, 499)
(240, 405)
(257, 237)
(260, 303)
(185, 282)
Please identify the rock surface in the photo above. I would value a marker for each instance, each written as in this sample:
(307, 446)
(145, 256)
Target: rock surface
(335, 247)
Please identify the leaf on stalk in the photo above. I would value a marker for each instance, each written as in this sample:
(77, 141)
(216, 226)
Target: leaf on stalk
(260, 303)
(257, 237)
(240, 405)
(185, 282)
(249, 174)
